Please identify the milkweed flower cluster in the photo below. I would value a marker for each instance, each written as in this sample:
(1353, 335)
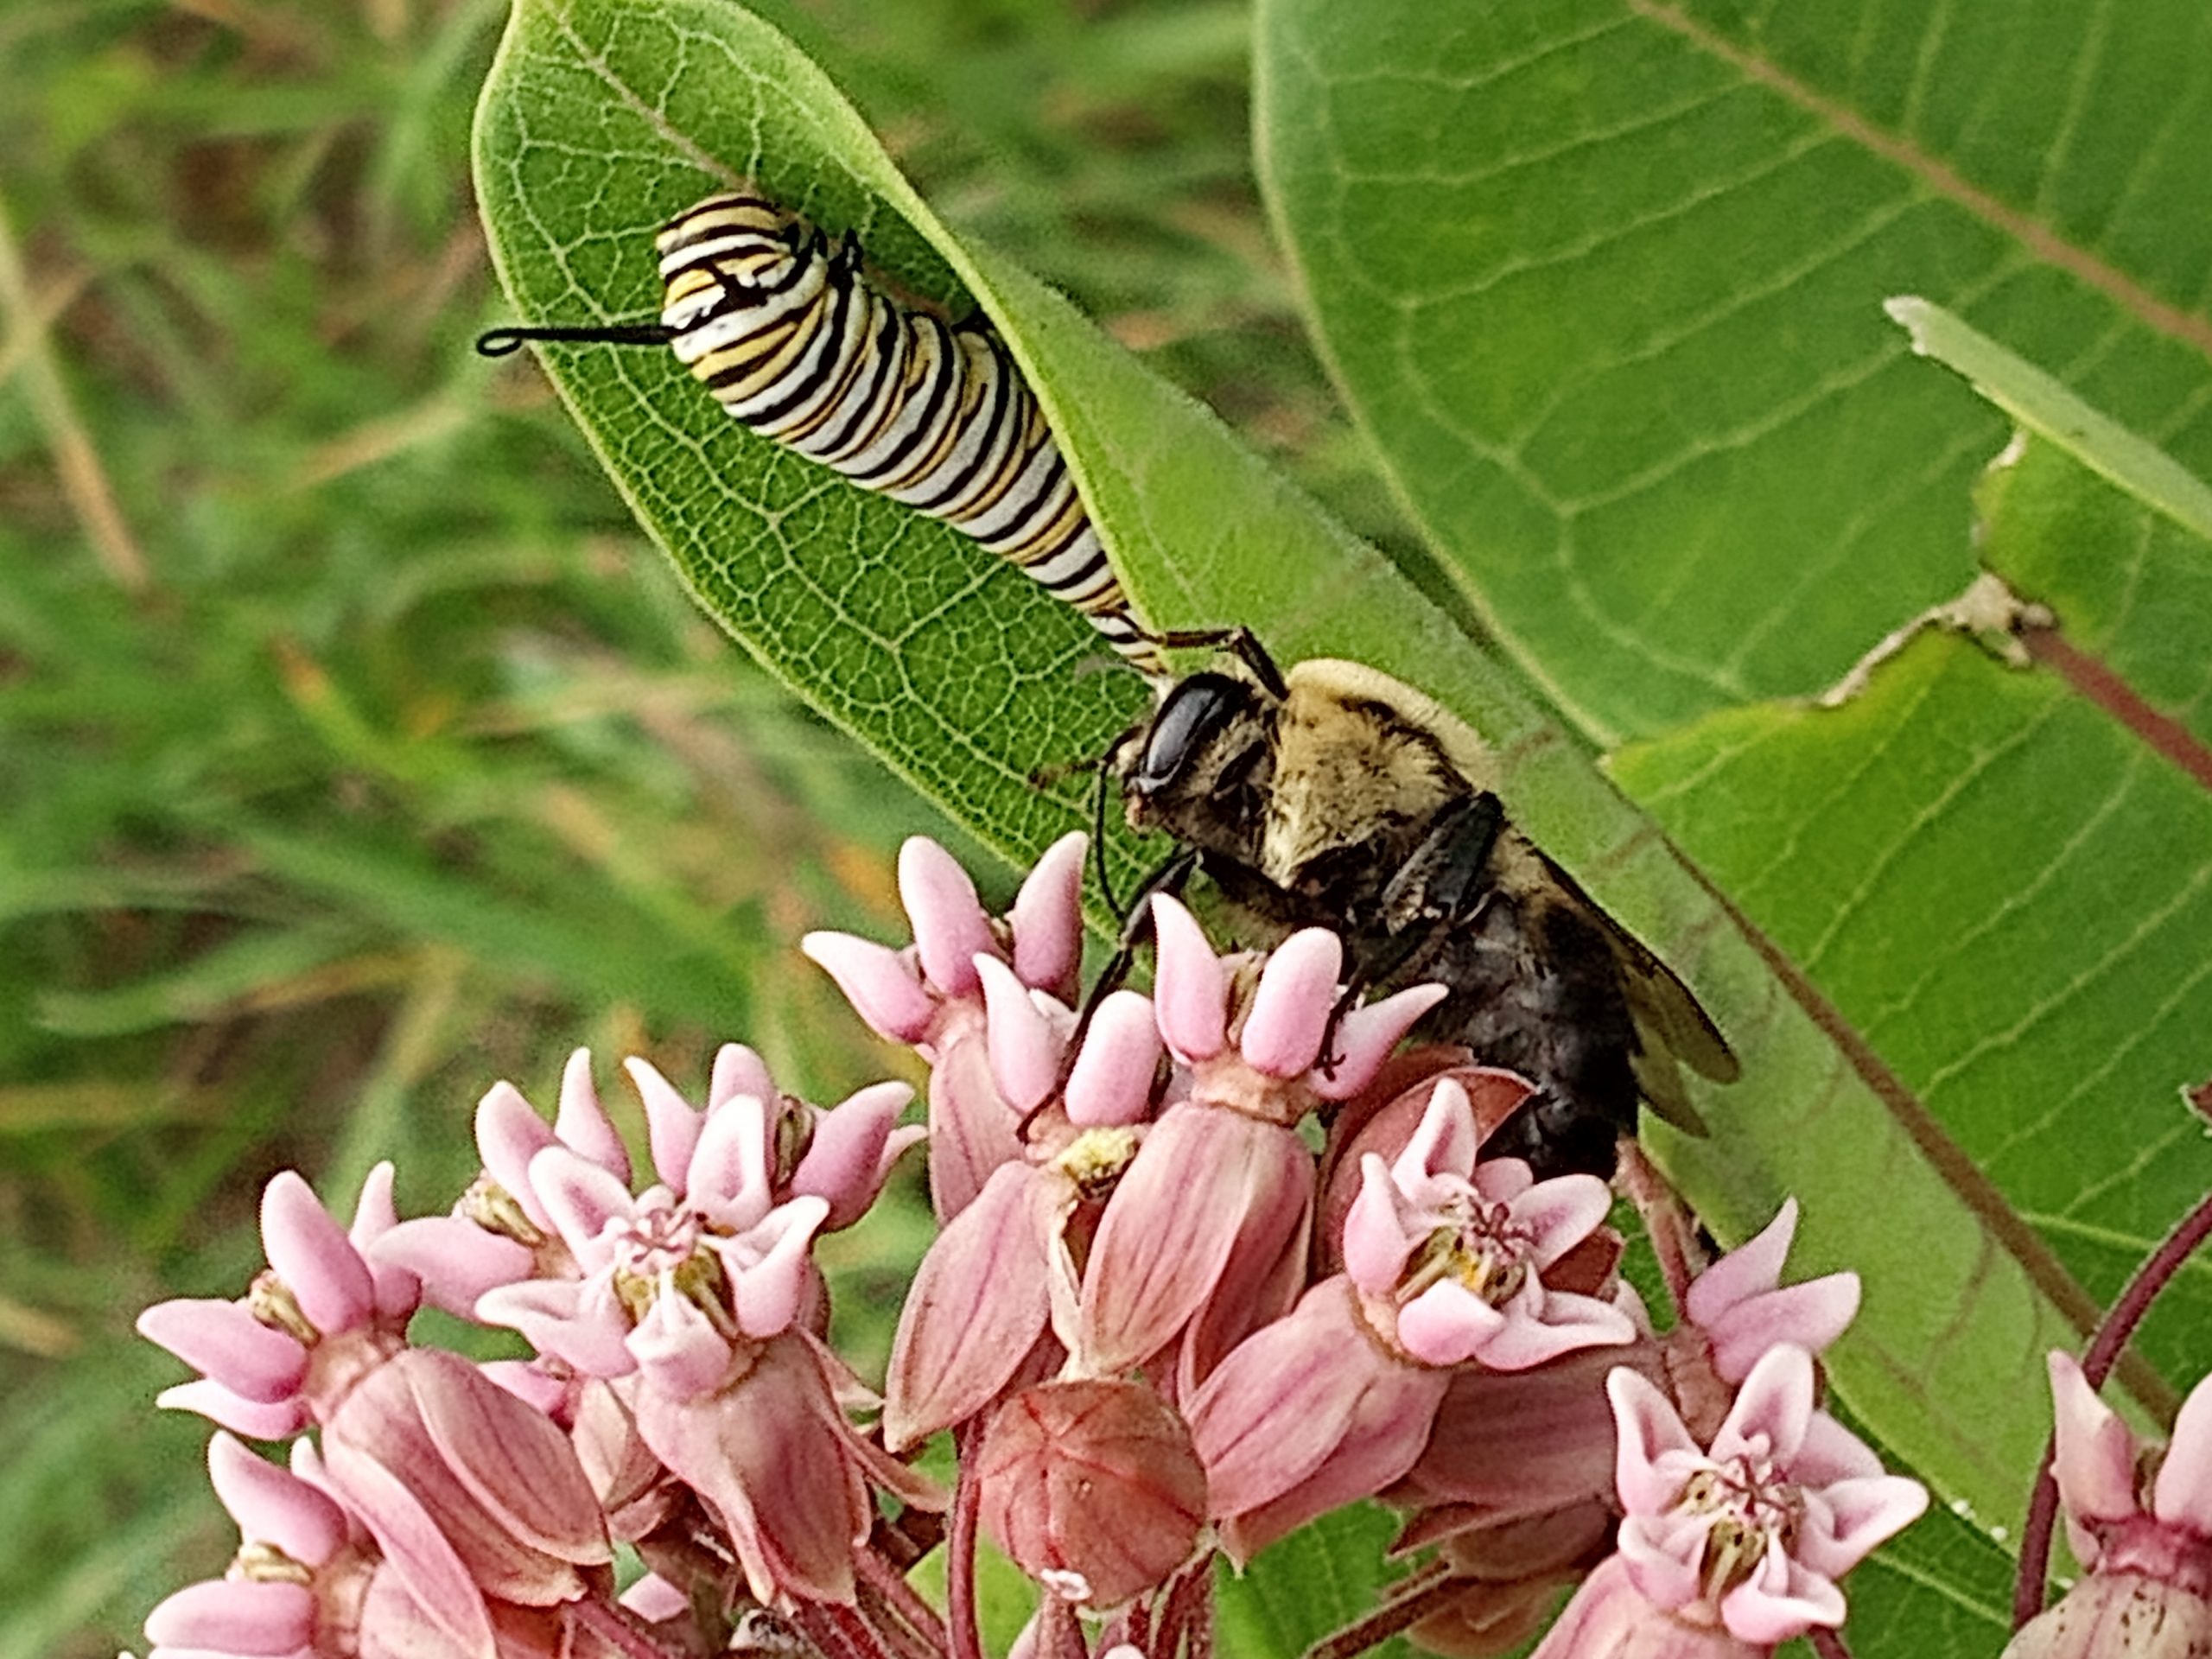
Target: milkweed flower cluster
(1212, 1262)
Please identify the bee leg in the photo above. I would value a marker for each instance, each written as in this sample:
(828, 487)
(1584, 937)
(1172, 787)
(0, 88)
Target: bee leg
(1239, 642)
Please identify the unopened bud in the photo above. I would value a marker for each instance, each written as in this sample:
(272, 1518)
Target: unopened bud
(1092, 1488)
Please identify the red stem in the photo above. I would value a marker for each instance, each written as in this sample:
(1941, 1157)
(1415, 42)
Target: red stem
(1666, 1219)
(621, 1629)
(1177, 1610)
(1059, 1633)
(1828, 1644)
(964, 1639)
(888, 1581)
(2097, 1361)
(1413, 1598)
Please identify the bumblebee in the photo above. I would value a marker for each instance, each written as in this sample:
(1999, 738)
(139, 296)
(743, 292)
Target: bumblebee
(1334, 795)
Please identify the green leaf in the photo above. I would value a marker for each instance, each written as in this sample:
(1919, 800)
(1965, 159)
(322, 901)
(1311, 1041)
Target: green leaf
(1307, 1585)
(2043, 404)
(601, 118)
(1602, 280)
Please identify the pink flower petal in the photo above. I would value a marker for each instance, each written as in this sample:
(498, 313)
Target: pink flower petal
(950, 926)
(2183, 1495)
(1448, 1325)
(254, 1419)
(1190, 989)
(1753, 1269)
(672, 1123)
(310, 1253)
(1111, 1083)
(1780, 1602)
(1772, 1410)
(738, 1071)
(977, 1305)
(1047, 920)
(455, 1261)
(728, 1180)
(1650, 1429)
(971, 1127)
(655, 1599)
(1561, 1213)
(398, 1289)
(1205, 1184)
(228, 1344)
(1379, 1231)
(582, 1123)
(2095, 1461)
(1443, 1142)
(273, 1505)
(235, 1617)
(554, 1320)
(1862, 1513)
(1567, 1323)
(1365, 1038)
(1298, 991)
(1024, 1048)
(417, 1550)
(879, 985)
(581, 1199)
(851, 1152)
(677, 1351)
(509, 1133)
(768, 1267)
(1811, 1315)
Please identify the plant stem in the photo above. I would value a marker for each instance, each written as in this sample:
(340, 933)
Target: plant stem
(902, 1600)
(2097, 1361)
(965, 1639)
(1409, 1601)
(1828, 1644)
(620, 1628)
(1666, 1219)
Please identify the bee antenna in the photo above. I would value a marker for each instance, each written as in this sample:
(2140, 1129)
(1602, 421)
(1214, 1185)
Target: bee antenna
(1098, 843)
(502, 342)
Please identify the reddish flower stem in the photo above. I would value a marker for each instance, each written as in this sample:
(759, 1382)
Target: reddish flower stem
(1413, 1598)
(1059, 1633)
(621, 1629)
(836, 1632)
(964, 1639)
(1666, 1220)
(1179, 1608)
(1828, 1644)
(2097, 1361)
(902, 1600)
(904, 1640)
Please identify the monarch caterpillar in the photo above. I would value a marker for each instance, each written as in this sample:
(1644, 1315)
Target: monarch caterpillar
(780, 324)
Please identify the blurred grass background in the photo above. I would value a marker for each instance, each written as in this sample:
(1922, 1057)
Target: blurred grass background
(355, 750)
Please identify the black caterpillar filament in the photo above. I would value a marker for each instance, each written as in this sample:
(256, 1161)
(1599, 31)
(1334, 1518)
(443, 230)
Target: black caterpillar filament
(779, 323)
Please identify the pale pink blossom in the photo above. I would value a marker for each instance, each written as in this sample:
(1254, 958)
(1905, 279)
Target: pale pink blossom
(2146, 1536)
(317, 1320)
(1459, 1249)
(1752, 1533)
(1205, 1239)
(931, 996)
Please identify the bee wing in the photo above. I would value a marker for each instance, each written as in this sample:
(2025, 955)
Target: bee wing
(1667, 1014)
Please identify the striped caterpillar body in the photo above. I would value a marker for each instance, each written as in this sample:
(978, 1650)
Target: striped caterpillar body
(780, 324)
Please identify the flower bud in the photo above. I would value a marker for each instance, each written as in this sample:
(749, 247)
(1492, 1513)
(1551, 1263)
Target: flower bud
(1092, 1487)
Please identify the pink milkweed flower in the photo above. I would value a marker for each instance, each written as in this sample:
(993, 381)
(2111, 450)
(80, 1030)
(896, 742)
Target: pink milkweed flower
(314, 1323)
(931, 997)
(1205, 1238)
(2145, 1537)
(700, 1297)
(993, 1299)
(1309, 1413)
(1459, 1249)
(439, 1462)
(1736, 1549)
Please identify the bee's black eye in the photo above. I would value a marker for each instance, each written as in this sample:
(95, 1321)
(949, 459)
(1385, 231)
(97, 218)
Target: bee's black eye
(1196, 712)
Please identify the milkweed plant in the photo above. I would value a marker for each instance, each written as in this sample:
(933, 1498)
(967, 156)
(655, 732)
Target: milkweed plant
(1216, 1263)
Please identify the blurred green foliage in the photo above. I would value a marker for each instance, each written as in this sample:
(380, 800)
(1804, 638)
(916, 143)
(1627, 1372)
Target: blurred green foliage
(354, 750)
